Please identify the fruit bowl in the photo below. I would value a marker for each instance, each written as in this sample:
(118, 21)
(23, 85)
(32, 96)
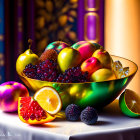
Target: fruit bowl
(97, 94)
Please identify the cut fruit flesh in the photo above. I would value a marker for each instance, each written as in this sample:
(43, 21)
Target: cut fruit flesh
(133, 101)
(130, 103)
(49, 100)
(30, 112)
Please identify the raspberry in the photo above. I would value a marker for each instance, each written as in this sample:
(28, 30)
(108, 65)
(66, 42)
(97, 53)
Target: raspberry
(89, 115)
(72, 112)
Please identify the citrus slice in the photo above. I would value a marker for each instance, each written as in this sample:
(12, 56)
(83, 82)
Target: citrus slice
(49, 99)
(129, 103)
(30, 112)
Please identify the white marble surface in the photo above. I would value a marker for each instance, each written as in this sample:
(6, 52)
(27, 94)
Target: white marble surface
(112, 124)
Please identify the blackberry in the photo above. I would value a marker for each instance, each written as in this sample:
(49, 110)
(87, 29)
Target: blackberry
(89, 115)
(72, 112)
(73, 75)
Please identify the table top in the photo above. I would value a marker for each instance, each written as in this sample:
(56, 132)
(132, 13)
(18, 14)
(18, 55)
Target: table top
(112, 124)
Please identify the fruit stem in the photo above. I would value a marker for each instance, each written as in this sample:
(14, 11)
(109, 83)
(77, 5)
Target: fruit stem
(30, 41)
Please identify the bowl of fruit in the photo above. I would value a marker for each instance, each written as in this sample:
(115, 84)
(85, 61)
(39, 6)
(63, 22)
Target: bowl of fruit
(84, 73)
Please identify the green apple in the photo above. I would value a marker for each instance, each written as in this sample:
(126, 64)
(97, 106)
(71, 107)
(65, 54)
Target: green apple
(104, 57)
(24, 59)
(103, 75)
(68, 58)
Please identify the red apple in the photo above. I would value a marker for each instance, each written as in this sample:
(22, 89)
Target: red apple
(85, 48)
(9, 93)
(104, 57)
(91, 65)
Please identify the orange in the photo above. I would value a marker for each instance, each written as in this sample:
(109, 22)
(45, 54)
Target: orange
(129, 102)
(49, 99)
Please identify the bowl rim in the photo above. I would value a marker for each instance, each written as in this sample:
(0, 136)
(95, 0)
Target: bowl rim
(93, 81)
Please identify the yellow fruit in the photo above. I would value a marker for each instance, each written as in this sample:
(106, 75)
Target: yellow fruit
(104, 57)
(68, 58)
(24, 59)
(103, 75)
(49, 99)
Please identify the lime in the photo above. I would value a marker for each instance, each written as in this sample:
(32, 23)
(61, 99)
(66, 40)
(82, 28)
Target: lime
(129, 103)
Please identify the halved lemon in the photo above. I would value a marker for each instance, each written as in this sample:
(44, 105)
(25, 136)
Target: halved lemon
(49, 99)
(129, 103)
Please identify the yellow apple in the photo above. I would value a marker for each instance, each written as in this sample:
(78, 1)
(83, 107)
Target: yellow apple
(68, 58)
(103, 75)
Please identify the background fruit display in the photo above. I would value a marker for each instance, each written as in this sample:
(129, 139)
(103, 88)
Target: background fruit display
(90, 78)
(59, 63)
(84, 63)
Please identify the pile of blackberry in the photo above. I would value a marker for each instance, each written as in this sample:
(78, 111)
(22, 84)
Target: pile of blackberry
(89, 115)
(45, 71)
(73, 75)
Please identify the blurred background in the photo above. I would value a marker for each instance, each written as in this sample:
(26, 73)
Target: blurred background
(115, 24)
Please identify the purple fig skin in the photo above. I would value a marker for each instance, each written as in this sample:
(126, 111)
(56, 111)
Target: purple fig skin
(9, 93)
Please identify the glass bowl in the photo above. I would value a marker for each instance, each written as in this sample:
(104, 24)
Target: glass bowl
(96, 94)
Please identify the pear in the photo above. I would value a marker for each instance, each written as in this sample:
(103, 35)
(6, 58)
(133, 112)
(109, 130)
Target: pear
(26, 58)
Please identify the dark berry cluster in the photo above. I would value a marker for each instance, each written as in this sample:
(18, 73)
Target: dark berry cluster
(48, 71)
(73, 75)
(88, 115)
(45, 71)
(72, 112)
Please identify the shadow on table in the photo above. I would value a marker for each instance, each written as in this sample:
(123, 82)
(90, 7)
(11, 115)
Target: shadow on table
(12, 113)
(100, 123)
(112, 109)
(45, 125)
